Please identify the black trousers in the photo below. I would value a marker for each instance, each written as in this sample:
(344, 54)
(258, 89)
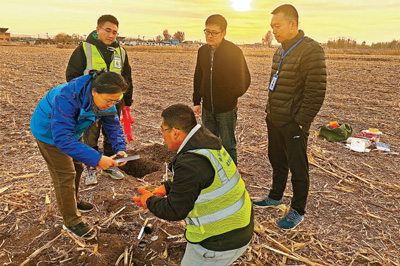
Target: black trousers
(287, 150)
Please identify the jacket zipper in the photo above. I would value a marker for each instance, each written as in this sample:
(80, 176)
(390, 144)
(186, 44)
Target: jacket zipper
(211, 87)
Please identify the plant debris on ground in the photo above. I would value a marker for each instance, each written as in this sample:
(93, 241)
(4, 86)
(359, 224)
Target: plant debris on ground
(353, 210)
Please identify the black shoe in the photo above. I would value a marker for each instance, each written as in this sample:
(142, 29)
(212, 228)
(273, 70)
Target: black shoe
(84, 206)
(81, 231)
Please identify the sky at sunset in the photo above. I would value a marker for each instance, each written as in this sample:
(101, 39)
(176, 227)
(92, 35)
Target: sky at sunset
(248, 20)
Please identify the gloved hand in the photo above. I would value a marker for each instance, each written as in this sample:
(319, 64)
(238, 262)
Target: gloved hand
(160, 191)
(141, 201)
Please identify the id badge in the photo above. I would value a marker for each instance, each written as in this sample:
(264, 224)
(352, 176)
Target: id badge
(117, 61)
(272, 84)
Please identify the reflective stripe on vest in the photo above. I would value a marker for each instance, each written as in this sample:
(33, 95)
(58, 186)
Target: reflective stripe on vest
(223, 206)
(95, 60)
(219, 215)
(227, 186)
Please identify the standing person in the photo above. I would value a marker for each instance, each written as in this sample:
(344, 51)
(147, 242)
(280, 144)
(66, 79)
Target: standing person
(220, 78)
(101, 50)
(206, 190)
(58, 123)
(296, 93)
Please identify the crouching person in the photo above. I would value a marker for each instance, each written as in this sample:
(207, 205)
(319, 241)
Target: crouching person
(206, 190)
(58, 123)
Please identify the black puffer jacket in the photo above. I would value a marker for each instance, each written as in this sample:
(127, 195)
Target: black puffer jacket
(77, 63)
(230, 77)
(192, 173)
(301, 86)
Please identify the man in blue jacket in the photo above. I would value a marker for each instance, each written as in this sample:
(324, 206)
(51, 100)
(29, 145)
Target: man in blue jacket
(58, 123)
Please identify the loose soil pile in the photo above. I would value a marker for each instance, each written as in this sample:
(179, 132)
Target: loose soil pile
(353, 208)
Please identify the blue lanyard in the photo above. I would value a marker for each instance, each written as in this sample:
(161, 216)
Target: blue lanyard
(283, 56)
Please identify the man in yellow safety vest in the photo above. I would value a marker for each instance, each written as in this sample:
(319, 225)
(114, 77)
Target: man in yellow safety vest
(206, 191)
(102, 50)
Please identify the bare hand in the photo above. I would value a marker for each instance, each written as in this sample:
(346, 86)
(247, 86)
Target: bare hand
(120, 154)
(197, 109)
(106, 162)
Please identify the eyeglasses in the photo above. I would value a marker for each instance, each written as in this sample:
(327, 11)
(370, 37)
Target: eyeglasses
(163, 130)
(110, 31)
(108, 102)
(213, 33)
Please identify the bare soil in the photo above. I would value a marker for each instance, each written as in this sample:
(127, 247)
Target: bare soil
(353, 208)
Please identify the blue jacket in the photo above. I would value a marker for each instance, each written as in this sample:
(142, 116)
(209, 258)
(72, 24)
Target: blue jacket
(65, 113)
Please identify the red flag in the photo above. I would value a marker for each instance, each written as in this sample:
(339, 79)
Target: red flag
(127, 120)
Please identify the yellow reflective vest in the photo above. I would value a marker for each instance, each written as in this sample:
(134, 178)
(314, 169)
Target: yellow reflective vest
(95, 60)
(223, 206)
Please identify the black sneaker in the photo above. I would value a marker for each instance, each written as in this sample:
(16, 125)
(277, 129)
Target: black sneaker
(84, 206)
(81, 231)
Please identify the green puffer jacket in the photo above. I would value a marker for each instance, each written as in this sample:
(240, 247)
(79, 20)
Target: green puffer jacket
(300, 90)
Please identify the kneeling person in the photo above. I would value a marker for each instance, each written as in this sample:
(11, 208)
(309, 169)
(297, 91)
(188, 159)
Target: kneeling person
(206, 190)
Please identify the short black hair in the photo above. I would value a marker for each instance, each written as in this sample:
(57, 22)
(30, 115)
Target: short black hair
(108, 82)
(217, 19)
(289, 11)
(179, 116)
(107, 18)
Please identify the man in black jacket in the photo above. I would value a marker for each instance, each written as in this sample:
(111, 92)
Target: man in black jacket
(220, 78)
(296, 93)
(206, 191)
(102, 50)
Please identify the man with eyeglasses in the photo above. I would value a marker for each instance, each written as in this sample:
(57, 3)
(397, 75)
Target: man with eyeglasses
(220, 78)
(206, 191)
(101, 50)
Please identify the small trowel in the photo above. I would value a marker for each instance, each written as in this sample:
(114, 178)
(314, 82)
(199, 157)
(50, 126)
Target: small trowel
(126, 159)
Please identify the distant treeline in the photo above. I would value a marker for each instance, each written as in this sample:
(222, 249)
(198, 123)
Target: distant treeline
(350, 43)
(65, 38)
(59, 38)
(339, 43)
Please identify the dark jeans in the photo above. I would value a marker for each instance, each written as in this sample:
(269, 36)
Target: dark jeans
(92, 134)
(65, 173)
(223, 125)
(287, 150)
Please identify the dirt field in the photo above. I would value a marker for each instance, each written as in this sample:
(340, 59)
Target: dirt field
(353, 208)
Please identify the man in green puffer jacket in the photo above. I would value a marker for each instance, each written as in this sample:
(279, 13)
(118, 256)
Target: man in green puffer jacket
(296, 93)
